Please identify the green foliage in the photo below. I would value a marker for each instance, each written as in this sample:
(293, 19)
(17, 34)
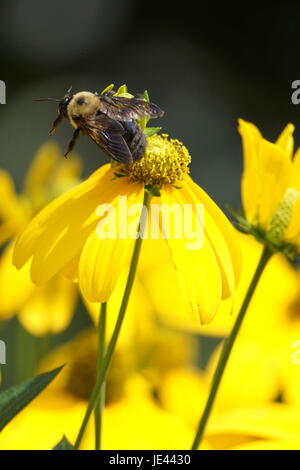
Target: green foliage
(15, 398)
(148, 131)
(63, 444)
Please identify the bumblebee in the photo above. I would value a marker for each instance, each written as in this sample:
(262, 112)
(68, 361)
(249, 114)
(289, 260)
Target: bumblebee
(109, 120)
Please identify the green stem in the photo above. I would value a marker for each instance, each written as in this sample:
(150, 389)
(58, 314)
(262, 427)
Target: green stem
(227, 347)
(100, 356)
(112, 344)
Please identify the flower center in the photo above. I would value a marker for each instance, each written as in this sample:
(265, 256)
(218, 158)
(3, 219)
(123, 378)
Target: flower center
(282, 216)
(166, 161)
(82, 372)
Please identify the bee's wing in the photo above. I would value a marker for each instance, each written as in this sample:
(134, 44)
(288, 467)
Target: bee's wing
(107, 133)
(127, 109)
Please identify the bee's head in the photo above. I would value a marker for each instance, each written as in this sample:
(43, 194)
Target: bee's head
(62, 108)
(63, 103)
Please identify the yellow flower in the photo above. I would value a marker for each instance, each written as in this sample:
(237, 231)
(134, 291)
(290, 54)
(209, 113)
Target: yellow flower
(241, 422)
(46, 309)
(268, 345)
(275, 422)
(65, 235)
(278, 288)
(131, 417)
(267, 444)
(271, 188)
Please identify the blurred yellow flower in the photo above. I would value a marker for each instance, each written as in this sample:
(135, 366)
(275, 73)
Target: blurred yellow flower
(266, 444)
(271, 422)
(275, 300)
(63, 237)
(132, 419)
(46, 309)
(271, 188)
(269, 336)
(238, 421)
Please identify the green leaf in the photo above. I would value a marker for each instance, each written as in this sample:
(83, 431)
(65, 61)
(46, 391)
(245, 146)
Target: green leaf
(122, 89)
(146, 96)
(151, 131)
(154, 190)
(108, 88)
(15, 398)
(63, 444)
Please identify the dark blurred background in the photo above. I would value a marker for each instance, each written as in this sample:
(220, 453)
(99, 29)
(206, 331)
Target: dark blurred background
(205, 64)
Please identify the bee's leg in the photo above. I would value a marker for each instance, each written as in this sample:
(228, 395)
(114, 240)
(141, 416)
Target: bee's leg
(55, 124)
(72, 141)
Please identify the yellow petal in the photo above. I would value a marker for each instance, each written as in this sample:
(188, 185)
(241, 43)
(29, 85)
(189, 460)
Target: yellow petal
(277, 444)
(70, 270)
(56, 235)
(286, 141)
(195, 386)
(197, 269)
(15, 285)
(296, 171)
(251, 138)
(50, 174)
(14, 213)
(40, 425)
(50, 308)
(221, 234)
(266, 175)
(246, 367)
(147, 427)
(272, 421)
(43, 164)
(103, 259)
(28, 239)
(134, 323)
(275, 172)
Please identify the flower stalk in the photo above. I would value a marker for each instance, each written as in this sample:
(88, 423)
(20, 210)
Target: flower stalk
(100, 356)
(112, 344)
(227, 348)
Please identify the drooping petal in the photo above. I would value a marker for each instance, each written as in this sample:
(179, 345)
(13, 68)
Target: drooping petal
(104, 256)
(57, 212)
(70, 270)
(56, 235)
(221, 234)
(197, 269)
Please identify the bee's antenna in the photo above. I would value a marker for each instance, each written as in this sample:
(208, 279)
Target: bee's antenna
(69, 90)
(46, 99)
